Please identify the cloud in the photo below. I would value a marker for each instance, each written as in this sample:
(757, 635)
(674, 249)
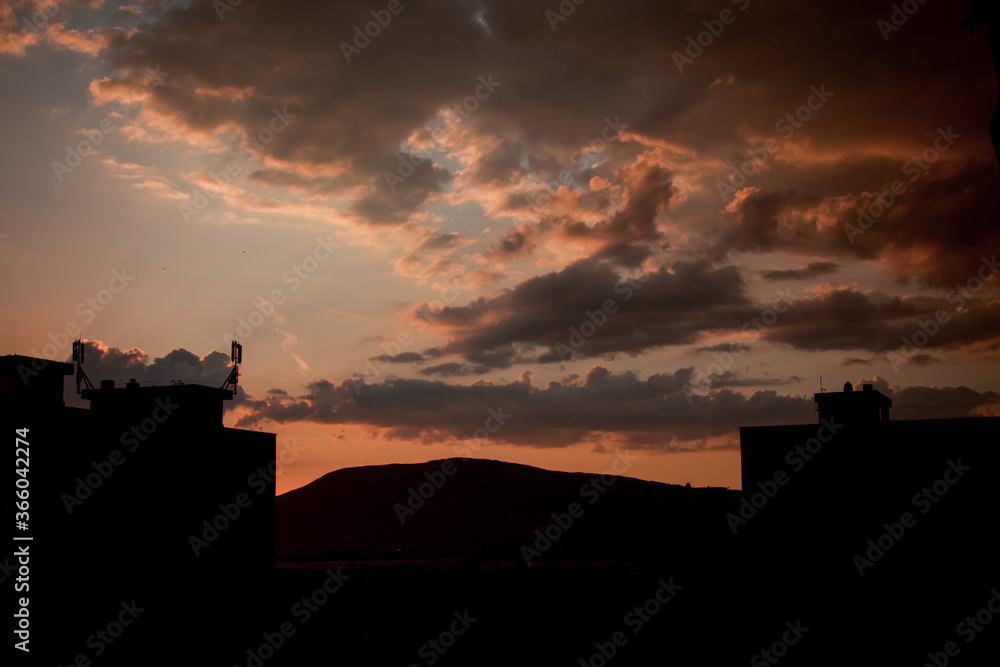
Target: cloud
(588, 309)
(401, 358)
(110, 363)
(654, 413)
(812, 270)
(935, 402)
(846, 319)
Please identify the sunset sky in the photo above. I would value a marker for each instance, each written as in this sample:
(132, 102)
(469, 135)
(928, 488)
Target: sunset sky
(627, 224)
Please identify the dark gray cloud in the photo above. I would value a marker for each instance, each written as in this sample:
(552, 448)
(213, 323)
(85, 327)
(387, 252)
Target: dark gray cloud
(401, 358)
(111, 363)
(846, 319)
(921, 402)
(656, 413)
(812, 270)
(588, 309)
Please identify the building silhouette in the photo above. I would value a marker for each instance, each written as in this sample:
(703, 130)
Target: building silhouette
(880, 532)
(144, 497)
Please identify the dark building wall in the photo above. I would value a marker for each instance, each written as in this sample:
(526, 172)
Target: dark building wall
(119, 500)
(802, 539)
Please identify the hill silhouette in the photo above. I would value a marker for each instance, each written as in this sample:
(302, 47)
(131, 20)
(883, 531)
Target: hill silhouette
(492, 509)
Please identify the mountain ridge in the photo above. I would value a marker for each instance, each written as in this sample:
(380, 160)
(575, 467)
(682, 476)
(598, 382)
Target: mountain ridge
(486, 508)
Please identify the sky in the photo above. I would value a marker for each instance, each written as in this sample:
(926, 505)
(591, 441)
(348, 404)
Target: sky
(532, 231)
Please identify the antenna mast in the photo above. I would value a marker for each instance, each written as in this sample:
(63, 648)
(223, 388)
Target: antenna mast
(81, 377)
(234, 375)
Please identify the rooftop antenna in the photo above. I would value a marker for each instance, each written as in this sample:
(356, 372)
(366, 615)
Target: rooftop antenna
(234, 375)
(821, 390)
(81, 377)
